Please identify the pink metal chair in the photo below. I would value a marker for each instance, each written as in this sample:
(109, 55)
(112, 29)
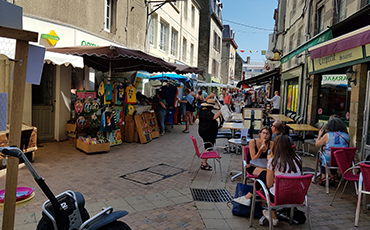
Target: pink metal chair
(290, 191)
(350, 151)
(363, 188)
(348, 173)
(246, 175)
(206, 154)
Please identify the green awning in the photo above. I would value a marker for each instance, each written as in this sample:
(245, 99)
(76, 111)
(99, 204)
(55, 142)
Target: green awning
(319, 38)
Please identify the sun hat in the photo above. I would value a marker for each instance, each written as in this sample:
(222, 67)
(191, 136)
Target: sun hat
(210, 103)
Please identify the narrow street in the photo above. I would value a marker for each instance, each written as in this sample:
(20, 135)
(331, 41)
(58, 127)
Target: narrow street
(157, 203)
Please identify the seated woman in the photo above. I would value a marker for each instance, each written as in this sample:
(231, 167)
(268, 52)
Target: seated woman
(258, 148)
(333, 134)
(285, 162)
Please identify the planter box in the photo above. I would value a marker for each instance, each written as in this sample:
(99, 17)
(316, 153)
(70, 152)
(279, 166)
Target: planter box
(96, 148)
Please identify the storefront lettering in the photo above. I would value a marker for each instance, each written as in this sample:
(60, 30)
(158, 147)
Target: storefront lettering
(334, 78)
(327, 59)
(85, 43)
(345, 56)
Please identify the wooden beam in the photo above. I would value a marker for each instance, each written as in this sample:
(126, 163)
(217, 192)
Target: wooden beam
(22, 35)
(15, 131)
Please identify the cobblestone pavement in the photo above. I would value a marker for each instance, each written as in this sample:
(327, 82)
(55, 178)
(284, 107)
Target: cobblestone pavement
(157, 203)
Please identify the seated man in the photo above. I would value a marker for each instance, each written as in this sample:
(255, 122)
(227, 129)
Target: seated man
(277, 128)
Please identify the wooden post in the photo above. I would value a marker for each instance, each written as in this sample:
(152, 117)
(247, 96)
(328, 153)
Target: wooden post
(16, 112)
(15, 131)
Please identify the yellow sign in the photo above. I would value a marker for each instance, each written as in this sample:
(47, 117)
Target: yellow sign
(137, 81)
(367, 48)
(338, 58)
(52, 37)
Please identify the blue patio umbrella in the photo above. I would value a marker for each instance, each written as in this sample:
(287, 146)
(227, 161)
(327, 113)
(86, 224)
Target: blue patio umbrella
(169, 77)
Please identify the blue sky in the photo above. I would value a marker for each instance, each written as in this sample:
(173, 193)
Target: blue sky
(254, 13)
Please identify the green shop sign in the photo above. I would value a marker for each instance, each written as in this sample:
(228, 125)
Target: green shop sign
(320, 38)
(51, 37)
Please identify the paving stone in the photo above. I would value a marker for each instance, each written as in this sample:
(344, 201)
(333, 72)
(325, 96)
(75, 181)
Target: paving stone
(215, 223)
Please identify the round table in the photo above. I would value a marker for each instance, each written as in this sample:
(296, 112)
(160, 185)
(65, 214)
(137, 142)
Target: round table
(238, 142)
(260, 162)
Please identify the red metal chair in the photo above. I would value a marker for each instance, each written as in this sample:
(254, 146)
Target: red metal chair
(206, 154)
(350, 151)
(290, 191)
(363, 188)
(348, 173)
(246, 175)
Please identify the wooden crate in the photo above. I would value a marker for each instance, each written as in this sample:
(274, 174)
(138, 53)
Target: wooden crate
(95, 148)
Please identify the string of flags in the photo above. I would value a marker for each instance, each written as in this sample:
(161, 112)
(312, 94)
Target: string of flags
(263, 52)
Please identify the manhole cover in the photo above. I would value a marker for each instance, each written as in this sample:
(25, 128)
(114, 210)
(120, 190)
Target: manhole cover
(211, 195)
(153, 174)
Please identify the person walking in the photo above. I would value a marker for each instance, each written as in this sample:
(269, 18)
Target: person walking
(275, 103)
(200, 99)
(188, 101)
(162, 111)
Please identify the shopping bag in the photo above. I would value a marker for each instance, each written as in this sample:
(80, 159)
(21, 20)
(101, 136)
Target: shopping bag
(225, 112)
(242, 210)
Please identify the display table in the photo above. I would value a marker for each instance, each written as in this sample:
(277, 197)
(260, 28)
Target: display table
(28, 141)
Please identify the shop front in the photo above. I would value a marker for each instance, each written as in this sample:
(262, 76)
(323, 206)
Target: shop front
(338, 72)
(291, 90)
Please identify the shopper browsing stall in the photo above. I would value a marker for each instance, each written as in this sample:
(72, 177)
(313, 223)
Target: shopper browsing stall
(188, 101)
(161, 110)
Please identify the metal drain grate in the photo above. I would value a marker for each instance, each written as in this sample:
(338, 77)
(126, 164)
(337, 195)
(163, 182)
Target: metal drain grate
(211, 195)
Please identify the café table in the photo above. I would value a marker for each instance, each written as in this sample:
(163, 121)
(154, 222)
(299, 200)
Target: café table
(233, 126)
(304, 128)
(236, 116)
(281, 117)
(260, 162)
(238, 142)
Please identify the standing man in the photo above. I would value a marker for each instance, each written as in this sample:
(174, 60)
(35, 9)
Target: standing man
(275, 103)
(188, 101)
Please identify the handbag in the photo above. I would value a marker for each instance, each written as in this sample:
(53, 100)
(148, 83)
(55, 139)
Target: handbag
(242, 210)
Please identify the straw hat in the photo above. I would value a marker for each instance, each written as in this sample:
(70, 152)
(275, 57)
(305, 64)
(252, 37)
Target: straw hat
(210, 103)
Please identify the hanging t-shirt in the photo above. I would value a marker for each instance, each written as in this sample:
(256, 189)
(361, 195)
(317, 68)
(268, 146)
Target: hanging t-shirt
(120, 93)
(108, 92)
(130, 95)
(101, 89)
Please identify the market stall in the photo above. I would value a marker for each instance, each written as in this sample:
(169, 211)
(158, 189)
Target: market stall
(112, 112)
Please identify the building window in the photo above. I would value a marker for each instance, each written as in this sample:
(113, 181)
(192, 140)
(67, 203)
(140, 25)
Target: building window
(174, 39)
(292, 95)
(184, 44)
(334, 95)
(191, 54)
(163, 36)
(216, 41)
(291, 41)
(342, 10)
(185, 8)
(192, 16)
(299, 36)
(320, 19)
(107, 15)
(214, 68)
(152, 25)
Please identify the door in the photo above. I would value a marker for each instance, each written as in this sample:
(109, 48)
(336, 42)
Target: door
(43, 104)
(365, 144)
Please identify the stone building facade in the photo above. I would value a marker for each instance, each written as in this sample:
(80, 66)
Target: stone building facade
(228, 57)
(210, 39)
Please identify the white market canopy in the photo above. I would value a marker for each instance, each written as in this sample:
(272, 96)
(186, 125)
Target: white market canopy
(64, 59)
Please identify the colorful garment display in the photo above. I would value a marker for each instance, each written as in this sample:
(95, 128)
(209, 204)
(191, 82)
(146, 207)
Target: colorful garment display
(130, 95)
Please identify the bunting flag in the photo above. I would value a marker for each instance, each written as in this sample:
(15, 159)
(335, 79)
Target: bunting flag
(242, 51)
